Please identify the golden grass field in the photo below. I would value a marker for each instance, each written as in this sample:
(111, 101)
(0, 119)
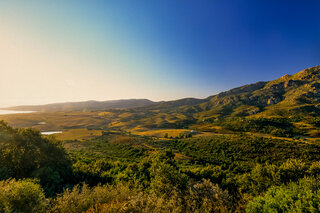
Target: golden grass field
(159, 133)
(54, 120)
(78, 134)
(86, 125)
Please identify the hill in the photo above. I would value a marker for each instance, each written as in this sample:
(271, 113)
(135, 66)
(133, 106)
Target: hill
(288, 96)
(86, 105)
(288, 106)
(298, 93)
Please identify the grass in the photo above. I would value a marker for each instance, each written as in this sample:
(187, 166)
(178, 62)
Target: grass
(55, 120)
(78, 134)
(158, 132)
(87, 125)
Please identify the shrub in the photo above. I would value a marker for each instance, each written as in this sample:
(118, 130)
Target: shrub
(21, 196)
(261, 178)
(314, 169)
(24, 153)
(279, 132)
(303, 196)
(166, 179)
(83, 198)
(292, 170)
(200, 197)
(207, 197)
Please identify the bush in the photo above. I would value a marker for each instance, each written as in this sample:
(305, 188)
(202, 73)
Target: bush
(200, 197)
(207, 197)
(166, 179)
(21, 196)
(83, 198)
(24, 153)
(279, 133)
(314, 169)
(260, 178)
(292, 170)
(303, 196)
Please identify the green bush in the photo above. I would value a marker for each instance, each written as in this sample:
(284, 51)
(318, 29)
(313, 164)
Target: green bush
(84, 198)
(314, 169)
(260, 179)
(207, 197)
(292, 170)
(303, 196)
(279, 133)
(21, 196)
(24, 153)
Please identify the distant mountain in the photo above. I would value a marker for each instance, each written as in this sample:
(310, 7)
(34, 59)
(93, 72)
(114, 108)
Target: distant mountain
(86, 105)
(288, 96)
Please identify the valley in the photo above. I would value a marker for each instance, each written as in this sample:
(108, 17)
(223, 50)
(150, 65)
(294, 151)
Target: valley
(237, 146)
(159, 106)
(286, 107)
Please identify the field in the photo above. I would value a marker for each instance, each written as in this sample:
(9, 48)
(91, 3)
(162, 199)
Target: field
(87, 125)
(78, 134)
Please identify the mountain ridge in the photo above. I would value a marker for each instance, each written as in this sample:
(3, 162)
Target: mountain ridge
(90, 105)
(295, 91)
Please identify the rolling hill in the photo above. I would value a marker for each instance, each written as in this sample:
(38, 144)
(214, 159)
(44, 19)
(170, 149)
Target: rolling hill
(286, 96)
(298, 93)
(295, 98)
(85, 105)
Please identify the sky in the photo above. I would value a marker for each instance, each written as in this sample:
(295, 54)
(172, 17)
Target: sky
(76, 50)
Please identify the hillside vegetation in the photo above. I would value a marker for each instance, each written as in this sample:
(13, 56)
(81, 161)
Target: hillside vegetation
(119, 172)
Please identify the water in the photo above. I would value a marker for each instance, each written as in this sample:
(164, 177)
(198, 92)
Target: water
(51, 132)
(7, 112)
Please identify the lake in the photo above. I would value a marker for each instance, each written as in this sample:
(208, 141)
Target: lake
(7, 112)
(51, 132)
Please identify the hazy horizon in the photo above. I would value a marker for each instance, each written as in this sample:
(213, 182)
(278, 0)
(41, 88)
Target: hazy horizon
(70, 51)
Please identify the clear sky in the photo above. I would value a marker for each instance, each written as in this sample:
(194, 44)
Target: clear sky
(74, 50)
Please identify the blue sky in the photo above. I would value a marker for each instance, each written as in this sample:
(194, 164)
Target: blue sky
(74, 50)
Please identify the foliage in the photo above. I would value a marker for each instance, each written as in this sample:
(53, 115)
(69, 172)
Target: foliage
(302, 196)
(199, 197)
(239, 152)
(83, 198)
(25, 154)
(119, 172)
(275, 126)
(21, 196)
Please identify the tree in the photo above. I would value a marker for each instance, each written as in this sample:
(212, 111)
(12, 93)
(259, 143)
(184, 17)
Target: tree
(24, 153)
